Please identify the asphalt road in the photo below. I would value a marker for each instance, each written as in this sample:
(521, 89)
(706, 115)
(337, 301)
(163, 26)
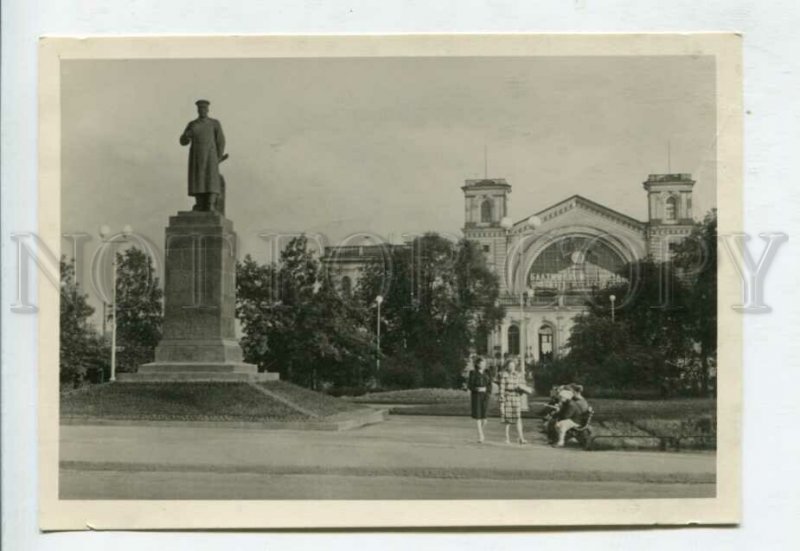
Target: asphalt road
(406, 457)
(239, 486)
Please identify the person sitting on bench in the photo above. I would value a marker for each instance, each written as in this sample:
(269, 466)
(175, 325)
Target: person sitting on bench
(571, 414)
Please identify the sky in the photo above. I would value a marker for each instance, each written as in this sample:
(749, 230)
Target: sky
(339, 146)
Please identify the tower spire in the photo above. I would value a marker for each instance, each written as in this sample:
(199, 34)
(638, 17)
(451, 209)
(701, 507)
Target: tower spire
(485, 162)
(669, 157)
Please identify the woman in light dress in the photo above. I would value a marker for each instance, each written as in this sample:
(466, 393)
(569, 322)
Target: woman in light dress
(512, 380)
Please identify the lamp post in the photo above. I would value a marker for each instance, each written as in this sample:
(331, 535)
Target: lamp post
(612, 298)
(530, 224)
(378, 301)
(104, 234)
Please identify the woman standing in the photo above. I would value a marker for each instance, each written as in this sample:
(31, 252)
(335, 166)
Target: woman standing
(511, 381)
(480, 387)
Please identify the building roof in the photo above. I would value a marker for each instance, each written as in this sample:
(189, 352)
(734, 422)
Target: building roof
(578, 200)
(675, 177)
(485, 183)
(344, 253)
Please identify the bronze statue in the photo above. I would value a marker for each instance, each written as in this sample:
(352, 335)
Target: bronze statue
(207, 151)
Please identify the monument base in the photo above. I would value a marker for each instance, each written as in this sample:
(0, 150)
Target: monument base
(199, 372)
(199, 341)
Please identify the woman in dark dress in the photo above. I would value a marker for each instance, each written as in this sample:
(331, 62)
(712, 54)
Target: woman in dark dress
(480, 387)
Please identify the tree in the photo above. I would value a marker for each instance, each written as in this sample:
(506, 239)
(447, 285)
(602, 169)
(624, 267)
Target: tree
(696, 258)
(437, 295)
(647, 340)
(295, 322)
(665, 321)
(81, 348)
(139, 309)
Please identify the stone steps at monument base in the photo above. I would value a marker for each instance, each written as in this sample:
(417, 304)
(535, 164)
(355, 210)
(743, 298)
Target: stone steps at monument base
(195, 377)
(198, 367)
(197, 372)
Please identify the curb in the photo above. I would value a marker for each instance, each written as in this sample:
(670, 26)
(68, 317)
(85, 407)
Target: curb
(337, 422)
(451, 473)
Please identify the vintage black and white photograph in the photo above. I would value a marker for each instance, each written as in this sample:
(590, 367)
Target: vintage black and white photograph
(392, 277)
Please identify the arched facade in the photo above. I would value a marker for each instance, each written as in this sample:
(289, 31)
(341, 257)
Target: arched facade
(547, 274)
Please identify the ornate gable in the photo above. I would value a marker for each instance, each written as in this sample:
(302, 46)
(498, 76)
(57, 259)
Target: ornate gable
(585, 209)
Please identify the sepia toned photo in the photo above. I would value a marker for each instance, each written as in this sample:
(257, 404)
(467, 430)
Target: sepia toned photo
(310, 282)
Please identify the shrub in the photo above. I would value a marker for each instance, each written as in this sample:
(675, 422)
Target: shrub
(437, 376)
(400, 372)
(338, 391)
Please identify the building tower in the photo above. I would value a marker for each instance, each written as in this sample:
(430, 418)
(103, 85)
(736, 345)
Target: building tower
(485, 205)
(669, 207)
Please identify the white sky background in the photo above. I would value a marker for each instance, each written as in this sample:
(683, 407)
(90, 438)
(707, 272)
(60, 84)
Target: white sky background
(347, 145)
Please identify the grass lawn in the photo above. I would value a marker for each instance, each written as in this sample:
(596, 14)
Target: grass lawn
(176, 401)
(321, 404)
(415, 396)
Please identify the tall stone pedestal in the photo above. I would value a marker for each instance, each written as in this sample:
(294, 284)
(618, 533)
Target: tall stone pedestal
(199, 341)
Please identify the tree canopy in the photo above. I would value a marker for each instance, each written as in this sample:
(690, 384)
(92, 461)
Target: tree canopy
(296, 323)
(139, 309)
(664, 330)
(299, 319)
(81, 348)
(437, 294)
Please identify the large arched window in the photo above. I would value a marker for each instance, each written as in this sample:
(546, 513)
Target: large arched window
(671, 209)
(486, 211)
(575, 264)
(513, 340)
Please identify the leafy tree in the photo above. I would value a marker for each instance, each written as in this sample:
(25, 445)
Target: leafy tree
(139, 309)
(260, 312)
(81, 348)
(437, 294)
(696, 258)
(648, 341)
(295, 322)
(665, 321)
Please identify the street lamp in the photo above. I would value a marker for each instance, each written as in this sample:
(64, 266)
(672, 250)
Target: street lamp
(105, 232)
(612, 298)
(378, 301)
(530, 224)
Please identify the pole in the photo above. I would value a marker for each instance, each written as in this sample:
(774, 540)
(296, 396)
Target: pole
(522, 321)
(378, 350)
(114, 320)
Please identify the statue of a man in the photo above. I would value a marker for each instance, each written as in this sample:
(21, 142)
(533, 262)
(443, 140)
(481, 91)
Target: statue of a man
(207, 151)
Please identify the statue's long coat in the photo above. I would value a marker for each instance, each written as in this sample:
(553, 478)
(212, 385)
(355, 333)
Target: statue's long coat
(208, 146)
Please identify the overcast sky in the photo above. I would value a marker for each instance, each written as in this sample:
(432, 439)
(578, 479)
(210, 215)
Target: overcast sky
(382, 145)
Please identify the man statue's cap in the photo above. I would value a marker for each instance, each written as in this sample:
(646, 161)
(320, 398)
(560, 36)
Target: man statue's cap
(202, 102)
